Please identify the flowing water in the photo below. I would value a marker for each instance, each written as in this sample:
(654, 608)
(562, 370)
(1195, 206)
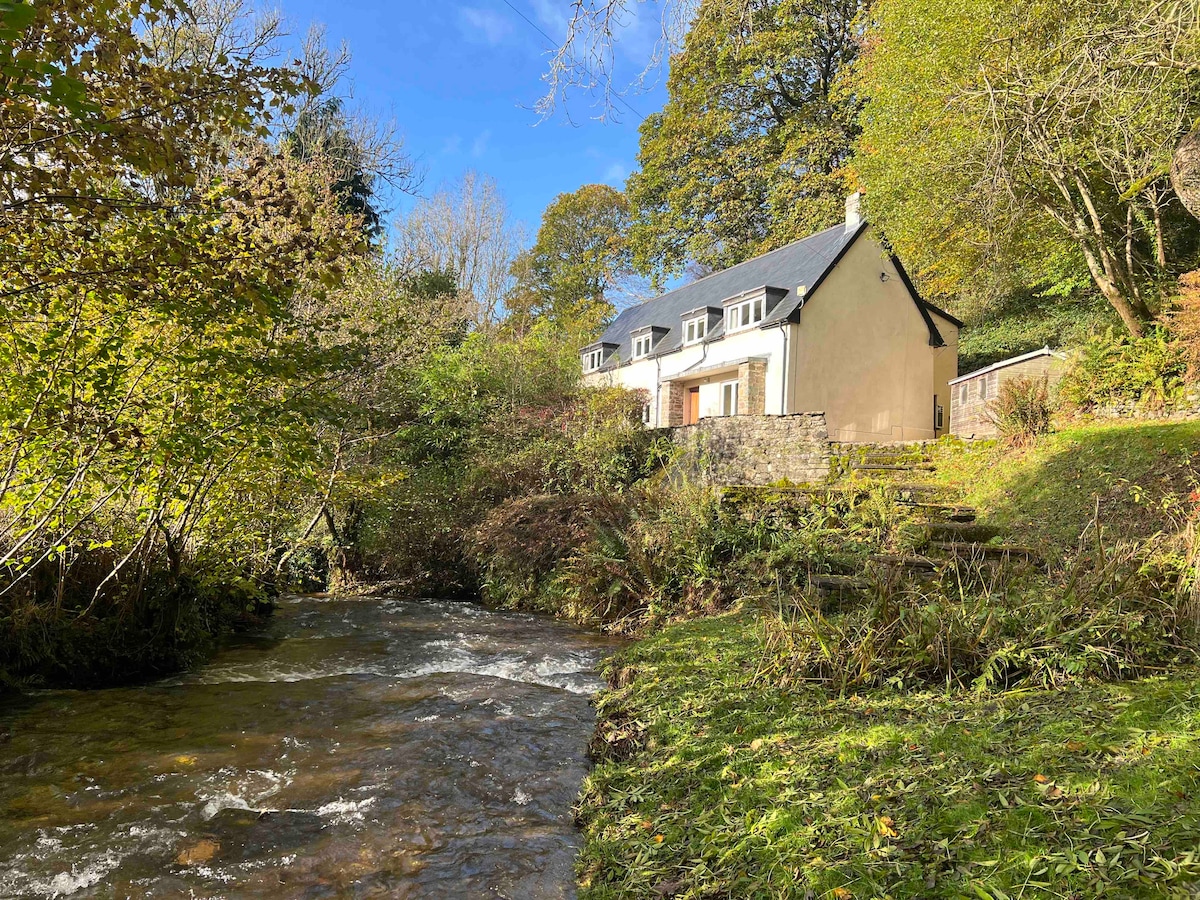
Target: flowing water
(357, 748)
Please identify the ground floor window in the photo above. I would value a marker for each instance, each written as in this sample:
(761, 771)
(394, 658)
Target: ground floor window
(645, 413)
(729, 398)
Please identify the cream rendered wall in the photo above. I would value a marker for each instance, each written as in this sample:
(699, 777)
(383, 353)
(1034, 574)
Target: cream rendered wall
(693, 363)
(862, 353)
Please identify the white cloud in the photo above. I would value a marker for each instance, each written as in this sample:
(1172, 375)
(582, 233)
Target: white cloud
(616, 174)
(452, 146)
(483, 25)
(552, 14)
(479, 145)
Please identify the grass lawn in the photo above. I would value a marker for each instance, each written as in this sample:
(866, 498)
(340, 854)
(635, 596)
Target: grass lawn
(1134, 475)
(719, 784)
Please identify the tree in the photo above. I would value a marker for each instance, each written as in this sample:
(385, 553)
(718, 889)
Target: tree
(579, 264)
(1030, 133)
(153, 372)
(361, 153)
(750, 151)
(466, 229)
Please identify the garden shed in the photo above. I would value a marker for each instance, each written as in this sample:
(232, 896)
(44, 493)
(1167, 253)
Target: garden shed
(971, 395)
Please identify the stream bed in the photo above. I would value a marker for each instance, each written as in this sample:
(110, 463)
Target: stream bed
(359, 747)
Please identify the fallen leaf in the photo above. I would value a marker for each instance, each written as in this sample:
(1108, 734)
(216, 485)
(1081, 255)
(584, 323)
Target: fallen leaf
(200, 852)
(841, 893)
(1075, 746)
(186, 760)
(756, 743)
(658, 839)
(1040, 778)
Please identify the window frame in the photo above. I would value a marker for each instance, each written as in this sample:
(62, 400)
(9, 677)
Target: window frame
(729, 398)
(983, 388)
(699, 329)
(646, 413)
(745, 314)
(593, 360)
(646, 340)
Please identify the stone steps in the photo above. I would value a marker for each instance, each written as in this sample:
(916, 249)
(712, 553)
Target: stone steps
(972, 550)
(964, 532)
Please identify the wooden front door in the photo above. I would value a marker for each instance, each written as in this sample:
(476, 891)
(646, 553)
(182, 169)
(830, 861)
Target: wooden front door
(693, 407)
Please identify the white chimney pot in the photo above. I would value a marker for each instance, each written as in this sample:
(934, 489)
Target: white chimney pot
(853, 213)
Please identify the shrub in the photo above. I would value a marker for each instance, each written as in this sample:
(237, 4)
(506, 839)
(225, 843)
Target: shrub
(1185, 323)
(1021, 410)
(1113, 614)
(1116, 368)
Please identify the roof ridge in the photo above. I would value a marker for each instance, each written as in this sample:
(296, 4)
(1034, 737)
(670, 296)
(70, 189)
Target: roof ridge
(786, 246)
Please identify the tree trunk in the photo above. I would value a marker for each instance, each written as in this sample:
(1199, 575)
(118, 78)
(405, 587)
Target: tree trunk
(1185, 172)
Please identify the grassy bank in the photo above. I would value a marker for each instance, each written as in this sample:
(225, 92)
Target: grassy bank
(995, 731)
(717, 783)
(1133, 479)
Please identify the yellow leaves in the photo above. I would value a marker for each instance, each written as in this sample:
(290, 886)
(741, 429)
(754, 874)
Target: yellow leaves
(841, 893)
(886, 826)
(756, 744)
(1040, 778)
(658, 839)
(186, 760)
(1076, 746)
(200, 852)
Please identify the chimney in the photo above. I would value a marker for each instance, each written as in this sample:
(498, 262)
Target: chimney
(853, 216)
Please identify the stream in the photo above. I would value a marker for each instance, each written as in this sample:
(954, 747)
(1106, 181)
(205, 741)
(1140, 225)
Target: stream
(354, 748)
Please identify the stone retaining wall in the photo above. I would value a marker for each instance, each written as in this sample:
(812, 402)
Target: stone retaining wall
(1188, 407)
(756, 450)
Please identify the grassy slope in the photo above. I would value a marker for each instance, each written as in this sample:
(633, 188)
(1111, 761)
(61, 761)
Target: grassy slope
(743, 790)
(1135, 475)
(737, 788)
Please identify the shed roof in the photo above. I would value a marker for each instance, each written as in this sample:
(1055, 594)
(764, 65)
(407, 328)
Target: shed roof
(1005, 363)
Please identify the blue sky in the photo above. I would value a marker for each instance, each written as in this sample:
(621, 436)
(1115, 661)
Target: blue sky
(460, 77)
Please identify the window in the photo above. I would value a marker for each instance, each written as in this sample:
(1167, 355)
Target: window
(983, 388)
(646, 413)
(695, 329)
(592, 360)
(641, 345)
(729, 398)
(962, 393)
(744, 314)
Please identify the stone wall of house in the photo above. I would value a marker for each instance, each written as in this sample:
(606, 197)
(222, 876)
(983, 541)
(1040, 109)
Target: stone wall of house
(758, 450)
(969, 415)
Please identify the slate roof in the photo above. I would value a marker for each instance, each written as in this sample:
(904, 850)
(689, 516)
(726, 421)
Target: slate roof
(805, 262)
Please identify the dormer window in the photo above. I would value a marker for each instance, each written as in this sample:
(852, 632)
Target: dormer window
(749, 308)
(596, 356)
(695, 329)
(743, 315)
(641, 345)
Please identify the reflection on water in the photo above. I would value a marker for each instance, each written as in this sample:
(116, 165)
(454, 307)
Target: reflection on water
(359, 748)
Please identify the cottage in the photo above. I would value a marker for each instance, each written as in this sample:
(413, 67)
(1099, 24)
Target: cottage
(828, 324)
(972, 394)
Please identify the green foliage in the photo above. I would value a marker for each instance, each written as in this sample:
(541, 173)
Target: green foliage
(749, 153)
(1110, 369)
(578, 260)
(1029, 136)
(322, 134)
(1022, 410)
(1023, 321)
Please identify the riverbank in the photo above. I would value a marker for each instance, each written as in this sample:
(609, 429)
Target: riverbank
(1018, 722)
(715, 781)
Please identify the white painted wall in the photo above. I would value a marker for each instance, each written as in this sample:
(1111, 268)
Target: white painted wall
(649, 374)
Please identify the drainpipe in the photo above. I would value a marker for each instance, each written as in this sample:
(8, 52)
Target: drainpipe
(783, 380)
